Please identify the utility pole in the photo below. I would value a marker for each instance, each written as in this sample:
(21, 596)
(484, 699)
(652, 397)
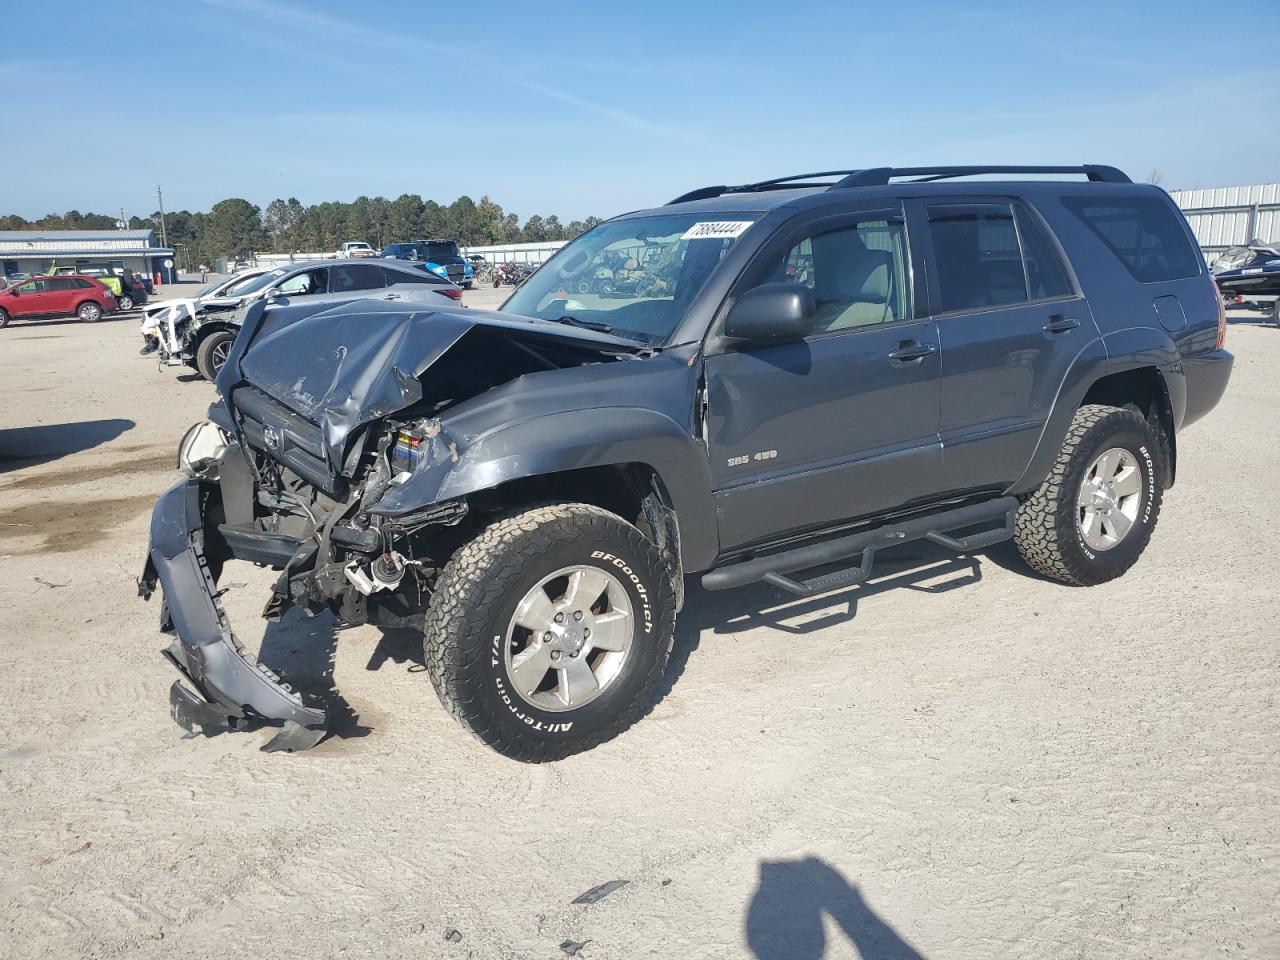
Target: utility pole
(164, 236)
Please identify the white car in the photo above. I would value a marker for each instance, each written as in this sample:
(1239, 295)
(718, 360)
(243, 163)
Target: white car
(356, 249)
(160, 318)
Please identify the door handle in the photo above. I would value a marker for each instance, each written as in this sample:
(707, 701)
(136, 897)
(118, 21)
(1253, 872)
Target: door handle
(911, 351)
(1060, 324)
(392, 296)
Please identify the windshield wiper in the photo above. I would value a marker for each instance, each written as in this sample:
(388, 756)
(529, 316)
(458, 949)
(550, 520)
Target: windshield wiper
(585, 324)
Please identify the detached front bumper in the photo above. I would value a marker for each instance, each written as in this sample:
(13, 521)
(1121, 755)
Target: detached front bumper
(229, 688)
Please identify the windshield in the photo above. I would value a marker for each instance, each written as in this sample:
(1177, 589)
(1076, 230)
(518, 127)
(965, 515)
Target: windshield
(635, 276)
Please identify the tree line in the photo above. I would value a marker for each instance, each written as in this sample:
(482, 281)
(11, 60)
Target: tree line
(236, 227)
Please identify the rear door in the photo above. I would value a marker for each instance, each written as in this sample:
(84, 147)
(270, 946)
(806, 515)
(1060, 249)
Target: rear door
(61, 296)
(1010, 322)
(843, 424)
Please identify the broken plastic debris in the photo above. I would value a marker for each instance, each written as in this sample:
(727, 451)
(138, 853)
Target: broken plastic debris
(599, 893)
(452, 935)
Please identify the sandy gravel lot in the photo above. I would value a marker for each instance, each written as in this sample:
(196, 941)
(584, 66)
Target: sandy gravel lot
(956, 760)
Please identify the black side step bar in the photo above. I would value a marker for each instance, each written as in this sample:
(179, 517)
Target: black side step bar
(773, 569)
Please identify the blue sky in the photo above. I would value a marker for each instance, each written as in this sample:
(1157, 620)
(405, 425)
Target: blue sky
(597, 108)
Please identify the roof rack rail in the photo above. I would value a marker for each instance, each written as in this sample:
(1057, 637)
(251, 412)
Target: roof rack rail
(880, 176)
(702, 193)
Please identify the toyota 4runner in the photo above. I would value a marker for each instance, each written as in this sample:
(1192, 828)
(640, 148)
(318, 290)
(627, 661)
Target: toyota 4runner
(807, 370)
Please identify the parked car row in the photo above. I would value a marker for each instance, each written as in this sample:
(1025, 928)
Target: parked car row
(198, 331)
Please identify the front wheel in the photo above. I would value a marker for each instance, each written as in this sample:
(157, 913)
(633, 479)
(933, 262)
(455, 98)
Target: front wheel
(4, 318)
(89, 312)
(548, 632)
(124, 302)
(1094, 514)
(212, 353)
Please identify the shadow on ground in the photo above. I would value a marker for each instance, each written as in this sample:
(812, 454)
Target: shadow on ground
(29, 446)
(784, 920)
(302, 650)
(920, 566)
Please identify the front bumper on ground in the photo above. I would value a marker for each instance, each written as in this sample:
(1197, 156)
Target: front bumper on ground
(229, 689)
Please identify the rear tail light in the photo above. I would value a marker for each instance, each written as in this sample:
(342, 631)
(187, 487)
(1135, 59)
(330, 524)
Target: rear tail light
(1222, 322)
(453, 293)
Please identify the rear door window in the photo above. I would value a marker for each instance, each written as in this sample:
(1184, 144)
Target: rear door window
(1146, 234)
(1046, 275)
(63, 284)
(351, 277)
(975, 247)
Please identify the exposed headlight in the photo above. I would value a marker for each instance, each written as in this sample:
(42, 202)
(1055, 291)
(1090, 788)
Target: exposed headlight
(201, 450)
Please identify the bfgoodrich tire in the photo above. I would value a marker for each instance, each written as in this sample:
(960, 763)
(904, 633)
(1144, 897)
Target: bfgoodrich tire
(212, 353)
(1094, 514)
(548, 632)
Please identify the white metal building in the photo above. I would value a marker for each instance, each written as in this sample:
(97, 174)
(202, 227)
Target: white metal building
(534, 253)
(36, 251)
(1231, 216)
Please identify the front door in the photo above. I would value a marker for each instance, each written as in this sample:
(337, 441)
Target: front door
(1011, 322)
(30, 299)
(844, 423)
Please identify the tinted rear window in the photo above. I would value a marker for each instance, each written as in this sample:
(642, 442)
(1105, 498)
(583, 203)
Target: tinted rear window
(1146, 233)
(440, 250)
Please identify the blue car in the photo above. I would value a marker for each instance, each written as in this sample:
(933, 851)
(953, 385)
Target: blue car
(441, 257)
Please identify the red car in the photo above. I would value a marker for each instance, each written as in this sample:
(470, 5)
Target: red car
(83, 297)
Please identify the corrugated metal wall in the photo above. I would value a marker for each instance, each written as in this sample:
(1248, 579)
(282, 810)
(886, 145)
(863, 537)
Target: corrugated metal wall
(1229, 216)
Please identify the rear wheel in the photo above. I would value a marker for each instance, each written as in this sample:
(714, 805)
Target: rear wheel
(548, 632)
(89, 312)
(212, 353)
(124, 302)
(1094, 514)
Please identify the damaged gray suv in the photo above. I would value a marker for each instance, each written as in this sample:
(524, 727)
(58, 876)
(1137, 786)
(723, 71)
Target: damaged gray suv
(770, 382)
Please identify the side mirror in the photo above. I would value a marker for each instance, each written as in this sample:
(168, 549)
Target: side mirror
(273, 295)
(772, 313)
(13, 290)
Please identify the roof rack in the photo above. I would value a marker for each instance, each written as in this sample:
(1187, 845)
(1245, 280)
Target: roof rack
(880, 176)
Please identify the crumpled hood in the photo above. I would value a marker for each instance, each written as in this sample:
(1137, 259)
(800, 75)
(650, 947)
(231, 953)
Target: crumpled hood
(358, 362)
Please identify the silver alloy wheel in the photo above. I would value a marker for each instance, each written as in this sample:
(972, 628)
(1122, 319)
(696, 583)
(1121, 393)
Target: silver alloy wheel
(569, 638)
(126, 303)
(1110, 498)
(90, 312)
(220, 352)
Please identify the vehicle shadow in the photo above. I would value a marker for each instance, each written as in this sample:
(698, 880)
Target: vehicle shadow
(784, 919)
(920, 566)
(22, 323)
(302, 649)
(399, 646)
(29, 446)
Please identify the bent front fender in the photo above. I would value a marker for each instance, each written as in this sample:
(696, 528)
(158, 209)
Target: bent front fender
(607, 436)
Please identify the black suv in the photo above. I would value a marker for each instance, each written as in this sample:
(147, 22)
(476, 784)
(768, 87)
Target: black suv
(780, 377)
